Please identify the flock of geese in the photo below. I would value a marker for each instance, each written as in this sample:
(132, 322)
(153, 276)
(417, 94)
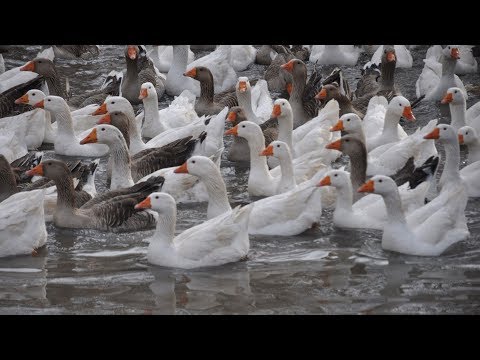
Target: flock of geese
(158, 158)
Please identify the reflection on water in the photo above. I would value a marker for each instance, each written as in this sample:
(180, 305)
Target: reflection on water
(324, 271)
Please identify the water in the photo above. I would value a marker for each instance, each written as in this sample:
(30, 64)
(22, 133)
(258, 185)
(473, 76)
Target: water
(323, 271)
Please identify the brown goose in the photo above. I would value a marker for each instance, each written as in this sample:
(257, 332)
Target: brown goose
(332, 91)
(239, 150)
(276, 77)
(110, 211)
(47, 69)
(302, 99)
(210, 103)
(147, 73)
(127, 170)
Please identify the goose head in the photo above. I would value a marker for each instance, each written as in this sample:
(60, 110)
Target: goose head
(295, 66)
(103, 134)
(243, 85)
(281, 109)
(467, 135)
(162, 203)
(236, 115)
(200, 73)
(389, 55)
(114, 103)
(115, 118)
(348, 144)
(329, 92)
(41, 66)
(31, 97)
(451, 51)
(277, 149)
(53, 104)
(351, 123)
(147, 91)
(132, 52)
(400, 106)
(52, 169)
(339, 179)
(379, 184)
(443, 133)
(246, 129)
(200, 166)
(454, 96)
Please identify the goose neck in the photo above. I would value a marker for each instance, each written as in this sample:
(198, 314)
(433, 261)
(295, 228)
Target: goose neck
(452, 163)
(258, 164)
(152, 116)
(217, 193)
(165, 230)
(121, 165)
(393, 204)
(245, 102)
(390, 126)
(206, 91)
(457, 114)
(65, 193)
(285, 130)
(387, 77)
(65, 125)
(287, 179)
(299, 82)
(344, 198)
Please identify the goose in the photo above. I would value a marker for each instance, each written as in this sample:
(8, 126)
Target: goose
(466, 62)
(257, 102)
(451, 176)
(209, 103)
(218, 62)
(111, 211)
(239, 150)
(457, 104)
(403, 57)
(369, 211)
(162, 57)
(179, 113)
(277, 78)
(286, 214)
(436, 78)
(138, 62)
(302, 98)
(47, 69)
(332, 91)
(22, 224)
(127, 170)
(334, 54)
(66, 143)
(281, 151)
(468, 136)
(435, 226)
(221, 240)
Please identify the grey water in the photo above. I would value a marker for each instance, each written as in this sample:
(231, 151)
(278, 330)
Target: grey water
(323, 271)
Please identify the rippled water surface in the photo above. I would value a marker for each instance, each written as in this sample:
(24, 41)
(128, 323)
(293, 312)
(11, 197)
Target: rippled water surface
(323, 271)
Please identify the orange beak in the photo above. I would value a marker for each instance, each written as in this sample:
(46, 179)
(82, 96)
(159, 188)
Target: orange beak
(106, 119)
(390, 56)
(37, 170)
(30, 66)
(132, 52)
(408, 114)
(40, 105)
(322, 95)
(242, 86)
(338, 126)
(22, 100)
(325, 181)
(182, 169)
(268, 151)
(143, 94)
(460, 139)
(434, 135)
(277, 111)
(232, 131)
(101, 110)
(90, 138)
(145, 204)
(447, 99)
(367, 187)
(288, 66)
(454, 53)
(336, 145)
(232, 116)
(289, 88)
(192, 73)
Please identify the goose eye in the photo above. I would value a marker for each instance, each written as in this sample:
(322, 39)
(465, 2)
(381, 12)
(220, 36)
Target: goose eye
(33, 94)
(103, 129)
(113, 102)
(156, 197)
(348, 119)
(347, 140)
(193, 161)
(399, 104)
(49, 100)
(243, 126)
(49, 163)
(278, 145)
(149, 87)
(444, 128)
(380, 180)
(466, 133)
(40, 62)
(335, 175)
(449, 48)
(456, 91)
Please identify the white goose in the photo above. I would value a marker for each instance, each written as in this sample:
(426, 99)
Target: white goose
(437, 77)
(66, 143)
(468, 136)
(218, 62)
(429, 230)
(257, 103)
(218, 241)
(451, 176)
(162, 57)
(287, 214)
(179, 113)
(335, 54)
(404, 58)
(28, 127)
(459, 114)
(22, 223)
(466, 62)
(281, 151)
